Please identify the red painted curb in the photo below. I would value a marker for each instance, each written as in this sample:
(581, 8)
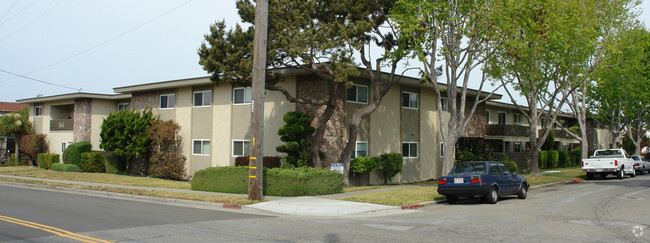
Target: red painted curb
(414, 206)
(231, 206)
(577, 180)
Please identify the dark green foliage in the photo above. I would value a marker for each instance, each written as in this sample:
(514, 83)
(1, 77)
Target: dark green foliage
(543, 159)
(575, 156)
(390, 164)
(72, 154)
(303, 181)
(288, 166)
(269, 161)
(114, 164)
(553, 158)
(93, 162)
(125, 133)
(167, 160)
(549, 143)
(71, 168)
(465, 155)
(296, 134)
(510, 164)
(628, 145)
(360, 165)
(564, 158)
(277, 182)
(57, 167)
(23, 160)
(46, 161)
(221, 179)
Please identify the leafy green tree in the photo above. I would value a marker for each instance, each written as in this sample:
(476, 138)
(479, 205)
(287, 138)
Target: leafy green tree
(320, 37)
(125, 133)
(16, 124)
(543, 52)
(457, 34)
(296, 134)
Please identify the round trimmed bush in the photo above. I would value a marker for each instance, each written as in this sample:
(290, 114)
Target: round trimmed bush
(57, 167)
(71, 168)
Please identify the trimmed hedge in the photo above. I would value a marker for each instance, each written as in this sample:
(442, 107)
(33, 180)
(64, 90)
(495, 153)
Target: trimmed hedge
(92, 162)
(543, 159)
(72, 154)
(575, 156)
(221, 179)
(304, 181)
(66, 167)
(57, 167)
(269, 161)
(46, 161)
(553, 158)
(564, 158)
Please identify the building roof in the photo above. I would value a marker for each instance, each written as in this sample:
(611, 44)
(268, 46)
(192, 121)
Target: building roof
(11, 106)
(78, 95)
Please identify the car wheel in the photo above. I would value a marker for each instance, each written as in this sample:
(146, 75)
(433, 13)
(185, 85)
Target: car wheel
(590, 176)
(633, 173)
(523, 192)
(620, 173)
(642, 171)
(492, 196)
(603, 176)
(452, 199)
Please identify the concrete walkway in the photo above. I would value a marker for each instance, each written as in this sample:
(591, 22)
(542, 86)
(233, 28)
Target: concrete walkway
(317, 206)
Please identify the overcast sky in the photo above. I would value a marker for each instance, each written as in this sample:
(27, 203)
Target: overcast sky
(98, 45)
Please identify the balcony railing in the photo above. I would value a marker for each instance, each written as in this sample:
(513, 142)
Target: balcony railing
(61, 124)
(507, 130)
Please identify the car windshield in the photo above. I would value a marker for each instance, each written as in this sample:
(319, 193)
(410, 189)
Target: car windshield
(608, 152)
(468, 168)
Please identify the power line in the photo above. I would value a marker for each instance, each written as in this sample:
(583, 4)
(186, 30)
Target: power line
(105, 42)
(1, 23)
(38, 80)
(34, 21)
(8, 10)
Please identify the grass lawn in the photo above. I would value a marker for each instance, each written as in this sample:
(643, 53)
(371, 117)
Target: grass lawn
(94, 177)
(403, 197)
(563, 175)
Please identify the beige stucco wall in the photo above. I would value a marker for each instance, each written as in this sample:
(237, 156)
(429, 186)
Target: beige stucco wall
(276, 106)
(183, 116)
(430, 159)
(201, 129)
(100, 110)
(221, 125)
(384, 132)
(55, 138)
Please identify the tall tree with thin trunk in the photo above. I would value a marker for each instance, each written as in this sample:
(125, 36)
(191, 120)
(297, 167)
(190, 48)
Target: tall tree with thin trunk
(457, 33)
(16, 125)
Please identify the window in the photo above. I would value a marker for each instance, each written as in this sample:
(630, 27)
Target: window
(200, 147)
(202, 98)
(167, 101)
(240, 148)
(242, 95)
(487, 117)
(409, 100)
(358, 94)
(361, 150)
(445, 106)
(410, 149)
(122, 106)
(38, 110)
(517, 147)
(517, 118)
(502, 118)
(442, 149)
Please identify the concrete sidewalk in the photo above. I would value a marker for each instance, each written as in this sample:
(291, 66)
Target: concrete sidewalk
(317, 206)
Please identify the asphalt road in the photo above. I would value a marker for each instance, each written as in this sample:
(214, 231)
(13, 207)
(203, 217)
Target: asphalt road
(594, 211)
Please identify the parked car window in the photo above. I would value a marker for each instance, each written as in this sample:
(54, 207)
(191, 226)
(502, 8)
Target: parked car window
(494, 169)
(505, 170)
(468, 168)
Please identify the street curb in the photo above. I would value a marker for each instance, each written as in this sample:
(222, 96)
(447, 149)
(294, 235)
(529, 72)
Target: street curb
(232, 206)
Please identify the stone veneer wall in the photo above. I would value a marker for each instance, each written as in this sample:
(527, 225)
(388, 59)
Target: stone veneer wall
(333, 139)
(143, 100)
(476, 128)
(82, 120)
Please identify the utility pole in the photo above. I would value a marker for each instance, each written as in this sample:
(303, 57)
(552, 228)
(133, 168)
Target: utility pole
(256, 162)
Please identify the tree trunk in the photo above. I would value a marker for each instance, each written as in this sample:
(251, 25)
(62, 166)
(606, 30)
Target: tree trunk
(318, 135)
(17, 150)
(584, 145)
(534, 151)
(449, 156)
(346, 155)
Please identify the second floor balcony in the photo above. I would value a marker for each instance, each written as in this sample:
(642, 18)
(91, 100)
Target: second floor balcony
(61, 125)
(507, 130)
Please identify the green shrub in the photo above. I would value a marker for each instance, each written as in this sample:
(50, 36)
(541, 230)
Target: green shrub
(23, 160)
(277, 182)
(543, 159)
(510, 164)
(46, 161)
(114, 164)
(32, 145)
(57, 167)
(302, 181)
(288, 166)
(72, 154)
(227, 179)
(389, 165)
(71, 168)
(575, 156)
(553, 159)
(92, 162)
(167, 166)
(564, 158)
(466, 155)
(296, 134)
(360, 165)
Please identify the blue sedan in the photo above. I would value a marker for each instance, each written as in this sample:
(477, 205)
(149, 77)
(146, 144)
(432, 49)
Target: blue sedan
(482, 179)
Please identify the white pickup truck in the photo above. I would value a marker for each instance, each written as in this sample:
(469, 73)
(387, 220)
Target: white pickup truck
(608, 161)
